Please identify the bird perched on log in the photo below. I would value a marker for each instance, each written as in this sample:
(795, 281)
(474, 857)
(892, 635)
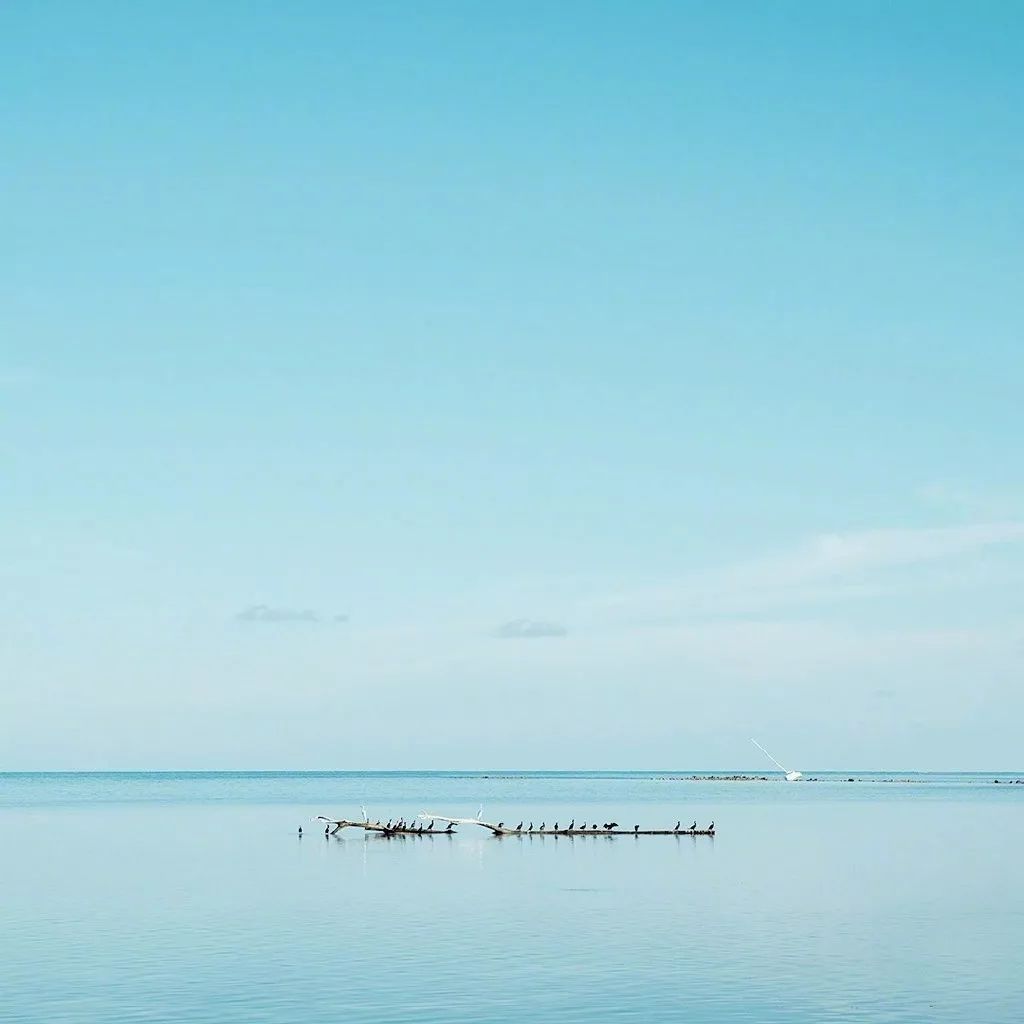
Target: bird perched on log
(556, 826)
(430, 827)
(327, 831)
(519, 827)
(676, 829)
(450, 827)
(531, 826)
(388, 825)
(693, 827)
(542, 826)
(501, 824)
(583, 826)
(711, 827)
(300, 830)
(636, 828)
(593, 827)
(609, 825)
(571, 823)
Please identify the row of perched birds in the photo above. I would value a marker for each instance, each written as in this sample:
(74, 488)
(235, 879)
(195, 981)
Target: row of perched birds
(401, 825)
(607, 826)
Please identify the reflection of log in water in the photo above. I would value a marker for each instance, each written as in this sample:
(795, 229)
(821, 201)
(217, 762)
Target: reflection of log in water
(404, 828)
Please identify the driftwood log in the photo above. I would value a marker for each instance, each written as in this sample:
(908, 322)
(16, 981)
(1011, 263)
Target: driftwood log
(499, 830)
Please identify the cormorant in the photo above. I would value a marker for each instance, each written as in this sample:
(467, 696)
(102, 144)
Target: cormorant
(300, 830)
(571, 823)
(693, 827)
(501, 824)
(519, 827)
(594, 826)
(542, 826)
(450, 827)
(610, 825)
(636, 828)
(584, 826)
(327, 830)
(430, 827)
(711, 827)
(556, 826)
(531, 826)
(678, 824)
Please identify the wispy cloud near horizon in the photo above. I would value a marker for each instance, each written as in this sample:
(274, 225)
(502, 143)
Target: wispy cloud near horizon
(271, 614)
(826, 568)
(528, 629)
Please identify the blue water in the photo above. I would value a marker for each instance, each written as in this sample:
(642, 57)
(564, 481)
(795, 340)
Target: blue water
(189, 897)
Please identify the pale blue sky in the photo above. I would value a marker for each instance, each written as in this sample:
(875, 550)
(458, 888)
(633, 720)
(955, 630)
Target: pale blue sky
(687, 336)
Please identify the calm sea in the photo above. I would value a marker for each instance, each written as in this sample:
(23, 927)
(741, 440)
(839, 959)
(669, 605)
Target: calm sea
(190, 897)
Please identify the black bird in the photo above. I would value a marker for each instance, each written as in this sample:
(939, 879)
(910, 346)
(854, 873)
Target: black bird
(677, 826)
(327, 831)
(556, 826)
(430, 827)
(594, 826)
(693, 827)
(636, 828)
(571, 823)
(449, 828)
(388, 825)
(610, 825)
(542, 826)
(531, 826)
(711, 827)
(300, 830)
(519, 827)
(501, 824)
(584, 826)
(377, 822)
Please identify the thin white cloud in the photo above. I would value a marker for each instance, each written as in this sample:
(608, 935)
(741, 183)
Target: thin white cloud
(270, 614)
(827, 568)
(528, 629)
(968, 501)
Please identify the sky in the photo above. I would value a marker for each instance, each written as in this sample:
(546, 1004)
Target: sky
(445, 385)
